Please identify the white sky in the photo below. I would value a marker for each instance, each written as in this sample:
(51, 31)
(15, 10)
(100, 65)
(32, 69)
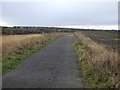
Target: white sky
(60, 0)
(100, 14)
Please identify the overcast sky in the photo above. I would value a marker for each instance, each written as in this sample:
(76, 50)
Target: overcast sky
(60, 13)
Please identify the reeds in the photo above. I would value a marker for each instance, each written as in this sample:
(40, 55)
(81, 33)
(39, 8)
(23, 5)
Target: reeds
(10, 43)
(105, 63)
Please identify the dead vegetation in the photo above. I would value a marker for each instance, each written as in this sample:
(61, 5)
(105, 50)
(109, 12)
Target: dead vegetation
(11, 43)
(15, 48)
(110, 39)
(100, 66)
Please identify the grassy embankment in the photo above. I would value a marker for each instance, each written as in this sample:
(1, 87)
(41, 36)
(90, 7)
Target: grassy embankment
(15, 48)
(100, 66)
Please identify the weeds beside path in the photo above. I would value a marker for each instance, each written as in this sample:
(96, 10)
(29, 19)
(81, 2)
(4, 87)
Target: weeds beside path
(100, 67)
(23, 47)
(54, 66)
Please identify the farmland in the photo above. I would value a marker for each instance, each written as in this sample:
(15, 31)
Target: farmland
(111, 40)
(32, 30)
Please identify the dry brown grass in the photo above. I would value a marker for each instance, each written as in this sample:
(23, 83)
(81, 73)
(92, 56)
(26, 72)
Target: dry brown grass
(102, 60)
(16, 48)
(11, 43)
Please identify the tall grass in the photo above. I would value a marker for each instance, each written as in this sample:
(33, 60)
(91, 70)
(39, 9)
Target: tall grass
(16, 48)
(100, 66)
(10, 43)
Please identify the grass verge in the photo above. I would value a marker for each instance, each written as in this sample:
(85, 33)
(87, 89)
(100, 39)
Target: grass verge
(100, 67)
(10, 61)
(88, 73)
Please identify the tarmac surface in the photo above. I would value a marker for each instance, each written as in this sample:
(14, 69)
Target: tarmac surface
(54, 66)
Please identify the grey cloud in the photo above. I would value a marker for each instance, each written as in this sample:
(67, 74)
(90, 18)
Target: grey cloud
(49, 14)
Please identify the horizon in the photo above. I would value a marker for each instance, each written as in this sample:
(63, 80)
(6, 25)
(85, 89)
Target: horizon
(73, 27)
(65, 14)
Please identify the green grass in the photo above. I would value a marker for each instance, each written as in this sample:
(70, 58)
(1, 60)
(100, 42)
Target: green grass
(92, 78)
(10, 61)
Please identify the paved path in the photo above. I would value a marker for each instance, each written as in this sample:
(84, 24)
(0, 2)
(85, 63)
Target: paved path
(54, 66)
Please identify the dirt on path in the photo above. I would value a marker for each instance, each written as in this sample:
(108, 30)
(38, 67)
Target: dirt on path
(54, 66)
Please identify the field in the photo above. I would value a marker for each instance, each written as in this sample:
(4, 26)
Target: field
(32, 30)
(111, 40)
(17, 47)
(97, 52)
